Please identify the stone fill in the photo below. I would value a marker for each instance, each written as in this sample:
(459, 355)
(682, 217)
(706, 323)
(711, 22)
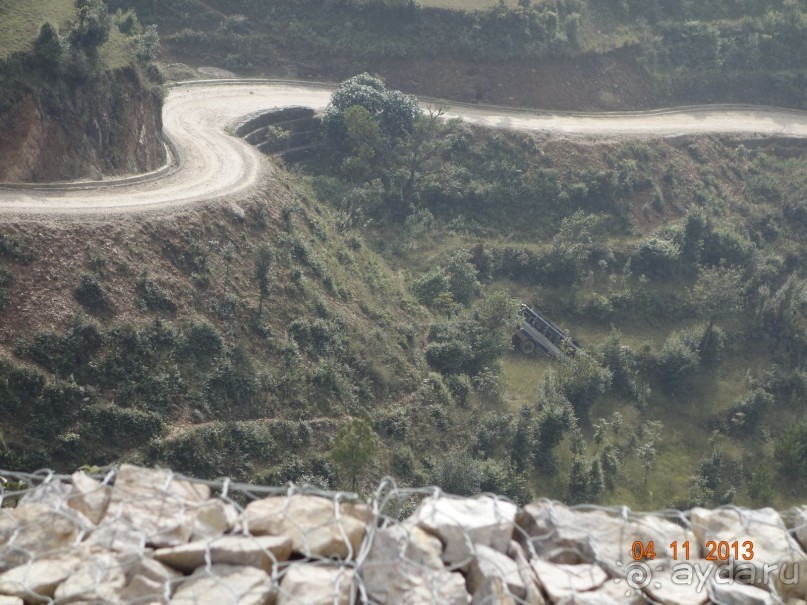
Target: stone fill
(148, 536)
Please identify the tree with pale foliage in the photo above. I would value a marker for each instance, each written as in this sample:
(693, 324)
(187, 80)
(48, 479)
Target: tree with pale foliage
(354, 449)
(718, 292)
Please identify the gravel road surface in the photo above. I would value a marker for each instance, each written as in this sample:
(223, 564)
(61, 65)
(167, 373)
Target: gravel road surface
(209, 163)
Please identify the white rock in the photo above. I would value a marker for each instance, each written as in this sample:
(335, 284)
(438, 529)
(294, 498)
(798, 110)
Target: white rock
(225, 585)
(772, 545)
(306, 584)
(404, 566)
(156, 504)
(89, 497)
(681, 582)
(52, 494)
(34, 529)
(610, 593)
(148, 581)
(534, 594)
(731, 593)
(560, 581)
(492, 591)
(796, 521)
(311, 522)
(118, 535)
(97, 578)
(213, 518)
(144, 591)
(238, 212)
(460, 523)
(37, 581)
(489, 563)
(262, 552)
(562, 535)
(152, 570)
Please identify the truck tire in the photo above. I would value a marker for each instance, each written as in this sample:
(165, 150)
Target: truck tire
(527, 347)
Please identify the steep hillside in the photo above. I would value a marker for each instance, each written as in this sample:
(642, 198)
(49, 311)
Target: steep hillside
(149, 339)
(560, 54)
(74, 100)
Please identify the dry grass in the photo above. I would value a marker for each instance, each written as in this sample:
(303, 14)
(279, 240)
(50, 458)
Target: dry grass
(467, 5)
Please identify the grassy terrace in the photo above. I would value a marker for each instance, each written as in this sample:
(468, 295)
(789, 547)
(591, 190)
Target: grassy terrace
(20, 21)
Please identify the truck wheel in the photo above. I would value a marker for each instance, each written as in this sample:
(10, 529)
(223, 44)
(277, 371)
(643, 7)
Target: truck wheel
(528, 347)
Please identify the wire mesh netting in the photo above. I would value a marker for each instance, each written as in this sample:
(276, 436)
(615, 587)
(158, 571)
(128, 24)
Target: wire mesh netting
(138, 535)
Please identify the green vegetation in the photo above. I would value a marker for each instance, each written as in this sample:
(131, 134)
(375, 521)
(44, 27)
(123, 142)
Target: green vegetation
(685, 50)
(359, 323)
(46, 47)
(668, 315)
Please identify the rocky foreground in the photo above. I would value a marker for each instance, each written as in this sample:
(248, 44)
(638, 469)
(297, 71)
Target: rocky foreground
(146, 536)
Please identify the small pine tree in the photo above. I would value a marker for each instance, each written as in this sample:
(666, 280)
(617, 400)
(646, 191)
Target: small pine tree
(578, 482)
(48, 46)
(596, 480)
(354, 449)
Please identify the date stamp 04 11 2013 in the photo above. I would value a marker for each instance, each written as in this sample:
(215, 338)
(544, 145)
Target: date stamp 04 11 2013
(722, 562)
(715, 550)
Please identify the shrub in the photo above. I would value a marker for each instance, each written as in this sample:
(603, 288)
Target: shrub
(583, 381)
(678, 362)
(431, 286)
(458, 473)
(5, 279)
(91, 296)
(11, 248)
(123, 426)
(746, 415)
(657, 257)
(791, 453)
(204, 341)
(155, 298)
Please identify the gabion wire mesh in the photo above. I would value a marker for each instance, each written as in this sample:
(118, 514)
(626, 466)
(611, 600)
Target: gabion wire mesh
(135, 535)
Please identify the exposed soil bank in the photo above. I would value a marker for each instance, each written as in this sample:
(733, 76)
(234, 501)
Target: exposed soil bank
(109, 126)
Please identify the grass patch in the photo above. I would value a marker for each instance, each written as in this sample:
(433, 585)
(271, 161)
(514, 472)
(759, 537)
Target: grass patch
(20, 21)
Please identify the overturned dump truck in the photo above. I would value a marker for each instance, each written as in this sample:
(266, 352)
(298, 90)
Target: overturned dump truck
(537, 334)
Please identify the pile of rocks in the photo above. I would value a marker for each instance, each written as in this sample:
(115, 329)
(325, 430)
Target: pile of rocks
(149, 537)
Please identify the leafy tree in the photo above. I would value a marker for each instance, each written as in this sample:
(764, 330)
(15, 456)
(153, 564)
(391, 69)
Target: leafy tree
(784, 316)
(647, 456)
(354, 449)
(419, 155)
(92, 28)
(718, 292)
(572, 245)
(556, 417)
(583, 381)
(678, 361)
(396, 112)
(462, 280)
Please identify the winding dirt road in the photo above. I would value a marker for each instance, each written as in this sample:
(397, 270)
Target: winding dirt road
(209, 163)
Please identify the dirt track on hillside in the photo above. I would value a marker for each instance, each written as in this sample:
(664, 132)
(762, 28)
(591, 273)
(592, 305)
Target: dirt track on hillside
(210, 164)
